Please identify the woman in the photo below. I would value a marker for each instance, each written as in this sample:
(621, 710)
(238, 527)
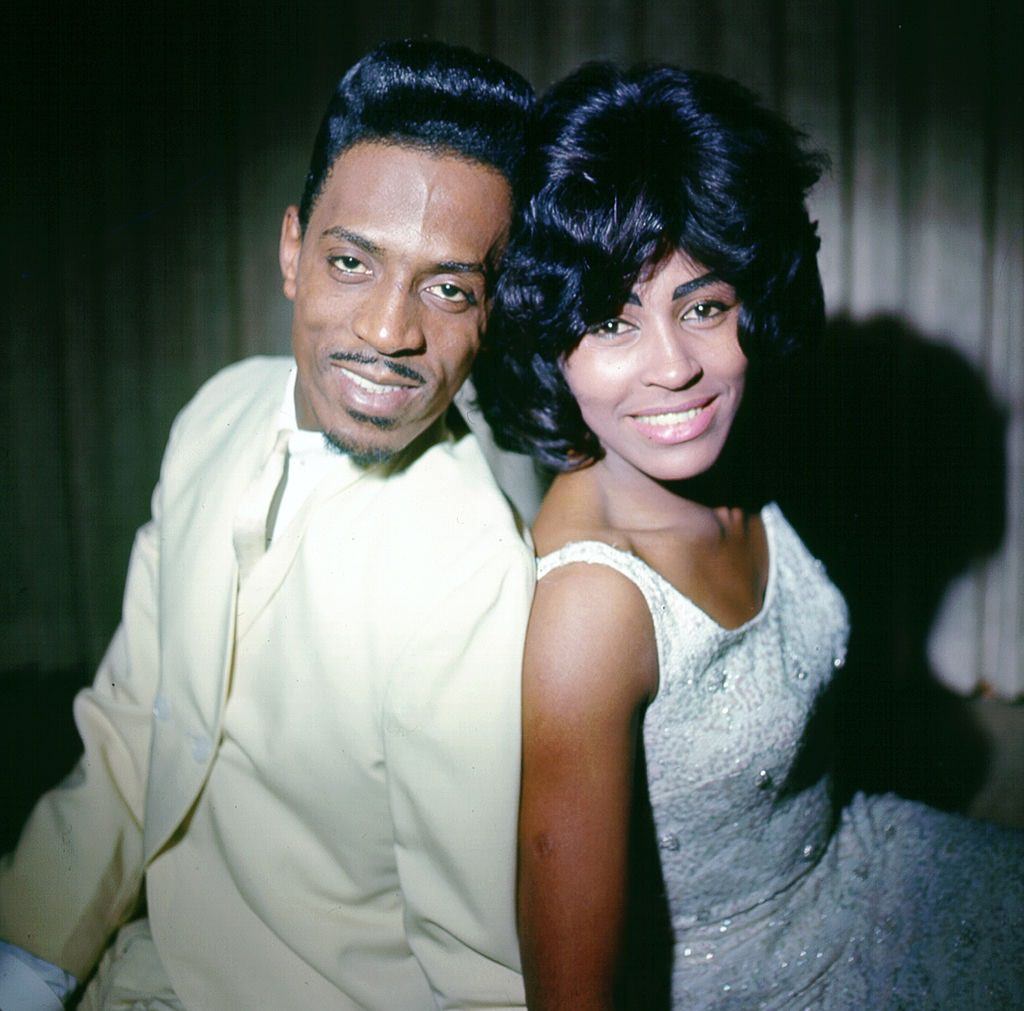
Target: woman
(683, 639)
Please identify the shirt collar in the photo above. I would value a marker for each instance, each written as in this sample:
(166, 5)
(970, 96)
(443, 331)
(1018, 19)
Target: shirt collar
(287, 421)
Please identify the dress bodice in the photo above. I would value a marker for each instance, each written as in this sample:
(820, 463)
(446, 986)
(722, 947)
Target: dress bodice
(772, 900)
(725, 737)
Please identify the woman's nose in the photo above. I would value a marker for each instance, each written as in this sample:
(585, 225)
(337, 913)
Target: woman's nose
(671, 362)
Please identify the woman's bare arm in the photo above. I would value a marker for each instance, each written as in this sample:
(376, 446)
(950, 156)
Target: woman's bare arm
(589, 669)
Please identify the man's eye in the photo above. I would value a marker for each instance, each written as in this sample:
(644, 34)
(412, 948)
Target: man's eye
(452, 293)
(349, 264)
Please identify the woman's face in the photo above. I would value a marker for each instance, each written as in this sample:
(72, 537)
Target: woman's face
(660, 384)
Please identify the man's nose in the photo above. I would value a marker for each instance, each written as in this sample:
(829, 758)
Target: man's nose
(671, 362)
(387, 320)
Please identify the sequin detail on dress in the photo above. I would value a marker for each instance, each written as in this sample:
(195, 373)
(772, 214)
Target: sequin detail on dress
(774, 901)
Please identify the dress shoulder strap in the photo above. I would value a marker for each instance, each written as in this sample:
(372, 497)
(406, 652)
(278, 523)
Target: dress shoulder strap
(656, 591)
(650, 584)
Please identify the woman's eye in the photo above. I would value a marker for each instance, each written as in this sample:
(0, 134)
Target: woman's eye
(701, 311)
(609, 328)
(349, 264)
(452, 293)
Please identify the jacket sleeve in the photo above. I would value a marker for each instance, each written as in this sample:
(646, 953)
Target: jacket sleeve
(76, 872)
(452, 743)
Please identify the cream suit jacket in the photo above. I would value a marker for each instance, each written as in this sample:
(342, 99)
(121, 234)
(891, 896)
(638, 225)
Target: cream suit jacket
(424, 581)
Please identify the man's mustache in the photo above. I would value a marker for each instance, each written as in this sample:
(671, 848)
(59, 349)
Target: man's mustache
(397, 367)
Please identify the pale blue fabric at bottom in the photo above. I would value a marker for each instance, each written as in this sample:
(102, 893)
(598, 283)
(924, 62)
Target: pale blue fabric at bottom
(28, 983)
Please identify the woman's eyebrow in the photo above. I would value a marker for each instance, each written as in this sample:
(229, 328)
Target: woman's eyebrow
(459, 267)
(698, 282)
(684, 289)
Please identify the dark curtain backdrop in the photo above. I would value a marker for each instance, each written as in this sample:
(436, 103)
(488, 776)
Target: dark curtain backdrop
(149, 151)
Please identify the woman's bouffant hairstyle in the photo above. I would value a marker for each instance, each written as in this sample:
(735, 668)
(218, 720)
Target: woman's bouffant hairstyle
(425, 94)
(625, 168)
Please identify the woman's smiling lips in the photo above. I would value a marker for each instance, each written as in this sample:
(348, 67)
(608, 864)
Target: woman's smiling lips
(668, 427)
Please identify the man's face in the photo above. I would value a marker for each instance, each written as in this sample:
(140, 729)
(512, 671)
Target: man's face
(389, 291)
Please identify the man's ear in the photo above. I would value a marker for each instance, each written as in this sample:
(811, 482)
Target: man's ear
(289, 249)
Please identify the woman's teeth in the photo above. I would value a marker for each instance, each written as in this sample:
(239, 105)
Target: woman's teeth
(671, 418)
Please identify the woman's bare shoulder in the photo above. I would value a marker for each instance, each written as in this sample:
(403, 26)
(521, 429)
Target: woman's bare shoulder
(591, 637)
(573, 511)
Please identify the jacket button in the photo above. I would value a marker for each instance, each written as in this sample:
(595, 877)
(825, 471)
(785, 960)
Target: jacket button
(201, 747)
(161, 707)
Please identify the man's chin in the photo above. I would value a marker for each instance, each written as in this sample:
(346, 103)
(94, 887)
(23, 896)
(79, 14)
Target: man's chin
(361, 453)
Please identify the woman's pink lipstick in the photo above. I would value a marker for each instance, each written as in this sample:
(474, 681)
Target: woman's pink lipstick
(670, 427)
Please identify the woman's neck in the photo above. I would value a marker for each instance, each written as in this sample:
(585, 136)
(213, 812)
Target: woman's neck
(633, 500)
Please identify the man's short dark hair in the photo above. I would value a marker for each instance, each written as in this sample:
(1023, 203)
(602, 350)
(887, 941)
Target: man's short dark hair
(626, 167)
(424, 94)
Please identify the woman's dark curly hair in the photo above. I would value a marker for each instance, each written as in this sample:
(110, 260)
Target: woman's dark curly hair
(624, 168)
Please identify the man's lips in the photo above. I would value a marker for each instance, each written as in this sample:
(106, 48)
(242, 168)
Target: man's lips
(372, 374)
(374, 388)
(371, 386)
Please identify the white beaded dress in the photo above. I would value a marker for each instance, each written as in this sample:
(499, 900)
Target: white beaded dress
(774, 901)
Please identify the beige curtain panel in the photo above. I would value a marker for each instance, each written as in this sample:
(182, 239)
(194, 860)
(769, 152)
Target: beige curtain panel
(149, 156)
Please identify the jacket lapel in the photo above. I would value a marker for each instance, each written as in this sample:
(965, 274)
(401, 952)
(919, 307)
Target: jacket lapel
(209, 465)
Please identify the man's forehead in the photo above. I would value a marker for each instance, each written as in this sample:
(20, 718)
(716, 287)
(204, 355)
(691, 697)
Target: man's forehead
(363, 242)
(386, 196)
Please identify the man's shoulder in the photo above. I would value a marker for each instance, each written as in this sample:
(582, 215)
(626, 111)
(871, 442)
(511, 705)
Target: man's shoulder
(448, 511)
(463, 553)
(252, 388)
(256, 379)
(466, 491)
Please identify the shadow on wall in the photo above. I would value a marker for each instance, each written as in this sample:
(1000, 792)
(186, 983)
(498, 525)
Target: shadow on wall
(38, 740)
(885, 451)
(892, 468)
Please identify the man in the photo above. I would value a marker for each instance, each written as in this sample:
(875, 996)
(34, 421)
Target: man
(304, 738)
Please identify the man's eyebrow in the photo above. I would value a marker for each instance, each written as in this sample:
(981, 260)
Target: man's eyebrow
(360, 241)
(371, 247)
